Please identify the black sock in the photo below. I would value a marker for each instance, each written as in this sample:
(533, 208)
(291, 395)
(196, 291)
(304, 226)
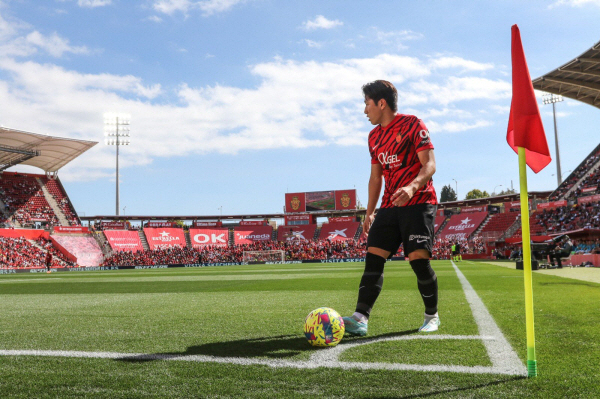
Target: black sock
(427, 283)
(370, 284)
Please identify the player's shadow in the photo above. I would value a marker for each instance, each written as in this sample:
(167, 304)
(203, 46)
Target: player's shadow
(278, 347)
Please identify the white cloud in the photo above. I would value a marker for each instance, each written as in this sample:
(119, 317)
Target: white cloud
(458, 62)
(296, 104)
(394, 39)
(312, 43)
(464, 88)
(207, 7)
(14, 41)
(93, 3)
(54, 45)
(575, 3)
(320, 22)
(455, 126)
(154, 18)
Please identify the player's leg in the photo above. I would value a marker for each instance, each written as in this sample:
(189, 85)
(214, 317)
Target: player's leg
(418, 227)
(383, 240)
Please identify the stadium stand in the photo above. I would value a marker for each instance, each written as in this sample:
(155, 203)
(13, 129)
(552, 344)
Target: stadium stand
(124, 240)
(461, 226)
(31, 200)
(535, 228)
(566, 189)
(298, 250)
(164, 237)
(214, 236)
(296, 232)
(498, 224)
(251, 234)
(57, 192)
(336, 231)
(21, 253)
(83, 247)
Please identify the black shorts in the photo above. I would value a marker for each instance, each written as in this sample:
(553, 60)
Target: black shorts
(409, 225)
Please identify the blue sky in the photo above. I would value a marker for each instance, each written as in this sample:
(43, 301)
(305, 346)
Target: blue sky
(235, 102)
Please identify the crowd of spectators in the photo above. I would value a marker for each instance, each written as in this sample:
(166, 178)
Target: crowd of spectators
(574, 177)
(20, 253)
(588, 186)
(568, 218)
(442, 247)
(294, 250)
(24, 200)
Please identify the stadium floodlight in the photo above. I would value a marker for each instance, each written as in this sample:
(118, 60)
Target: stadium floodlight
(499, 185)
(553, 99)
(116, 132)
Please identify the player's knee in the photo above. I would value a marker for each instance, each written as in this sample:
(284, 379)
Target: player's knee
(422, 268)
(374, 263)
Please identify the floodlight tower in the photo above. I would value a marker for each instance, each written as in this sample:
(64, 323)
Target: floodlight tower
(553, 99)
(116, 132)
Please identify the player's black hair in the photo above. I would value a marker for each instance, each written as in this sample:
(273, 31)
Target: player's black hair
(379, 89)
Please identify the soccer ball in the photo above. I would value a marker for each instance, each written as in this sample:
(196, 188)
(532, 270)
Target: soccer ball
(324, 327)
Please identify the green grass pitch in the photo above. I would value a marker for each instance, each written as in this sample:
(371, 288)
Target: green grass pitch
(149, 333)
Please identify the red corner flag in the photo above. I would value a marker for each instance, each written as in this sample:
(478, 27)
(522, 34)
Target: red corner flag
(525, 127)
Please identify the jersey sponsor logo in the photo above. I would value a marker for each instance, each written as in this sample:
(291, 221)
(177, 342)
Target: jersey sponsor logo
(386, 159)
(424, 134)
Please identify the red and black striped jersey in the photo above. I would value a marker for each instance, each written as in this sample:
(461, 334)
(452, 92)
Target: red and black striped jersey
(395, 147)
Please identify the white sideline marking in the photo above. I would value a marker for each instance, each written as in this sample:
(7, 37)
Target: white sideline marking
(503, 357)
(501, 354)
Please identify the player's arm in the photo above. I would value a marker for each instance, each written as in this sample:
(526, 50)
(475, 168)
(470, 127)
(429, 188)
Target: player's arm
(404, 194)
(375, 184)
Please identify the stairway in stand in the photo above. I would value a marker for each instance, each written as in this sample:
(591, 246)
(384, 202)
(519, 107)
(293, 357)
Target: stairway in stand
(53, 204)
(143, 240)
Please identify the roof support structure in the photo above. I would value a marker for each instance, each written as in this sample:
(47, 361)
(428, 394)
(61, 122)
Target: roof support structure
(578, 79)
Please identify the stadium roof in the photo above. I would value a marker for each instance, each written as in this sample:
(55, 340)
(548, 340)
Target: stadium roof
(45, 152)
(578, 79)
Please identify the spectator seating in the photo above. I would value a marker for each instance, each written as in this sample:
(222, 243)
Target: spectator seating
(535, 228)
(296, 232)
(84, 248)
(499, 222)
(124, 240)
(335, 231)
(589, 162)
(55, 189)
(24, 199)
(20, 253)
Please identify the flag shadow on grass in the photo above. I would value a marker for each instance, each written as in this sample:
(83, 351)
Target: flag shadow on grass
(277, 347)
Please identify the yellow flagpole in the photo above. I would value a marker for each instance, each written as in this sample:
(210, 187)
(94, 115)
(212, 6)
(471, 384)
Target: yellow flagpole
(531, 361)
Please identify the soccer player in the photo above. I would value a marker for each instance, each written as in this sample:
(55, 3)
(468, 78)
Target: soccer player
(458, 248)
(402, 156)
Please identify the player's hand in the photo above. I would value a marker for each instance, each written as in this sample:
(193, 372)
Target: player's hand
(403, 195)
(367, 223)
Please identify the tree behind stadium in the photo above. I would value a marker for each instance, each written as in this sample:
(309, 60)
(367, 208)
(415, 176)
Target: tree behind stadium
(448, 194)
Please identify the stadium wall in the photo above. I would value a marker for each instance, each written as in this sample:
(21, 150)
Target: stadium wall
(28, 234)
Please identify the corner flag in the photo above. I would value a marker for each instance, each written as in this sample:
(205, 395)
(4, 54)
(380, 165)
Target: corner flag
(525, 127)
(527, 138)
